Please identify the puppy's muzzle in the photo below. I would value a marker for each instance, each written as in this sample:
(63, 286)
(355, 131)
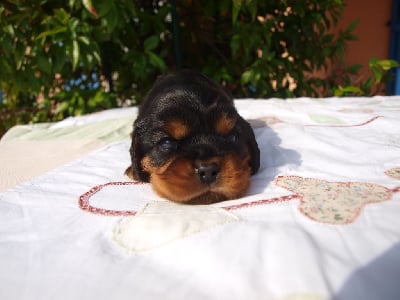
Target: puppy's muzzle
(207, 172)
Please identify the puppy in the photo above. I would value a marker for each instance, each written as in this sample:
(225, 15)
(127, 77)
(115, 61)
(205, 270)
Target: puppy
(190, 143)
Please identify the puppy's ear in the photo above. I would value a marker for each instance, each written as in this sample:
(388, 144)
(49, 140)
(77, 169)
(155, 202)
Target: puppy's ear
(135, 171)
(252, 145)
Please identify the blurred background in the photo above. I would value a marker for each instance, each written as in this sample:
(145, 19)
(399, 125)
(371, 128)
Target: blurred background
(72, 57)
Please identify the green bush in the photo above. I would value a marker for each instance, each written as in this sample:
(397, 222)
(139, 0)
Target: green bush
(54, 54)
(47, 46)
(350, 83)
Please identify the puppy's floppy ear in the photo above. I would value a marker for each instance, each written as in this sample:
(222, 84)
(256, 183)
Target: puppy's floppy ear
(252, 145)
(135, 171)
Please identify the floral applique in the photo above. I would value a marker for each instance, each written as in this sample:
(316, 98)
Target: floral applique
(395, 173)
(333, 202)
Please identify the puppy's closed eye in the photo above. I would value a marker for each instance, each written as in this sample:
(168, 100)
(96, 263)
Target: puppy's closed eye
(168, 144)
(232, 137)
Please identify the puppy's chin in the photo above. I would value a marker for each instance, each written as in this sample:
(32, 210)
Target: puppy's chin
(177, 180)
(207, 198)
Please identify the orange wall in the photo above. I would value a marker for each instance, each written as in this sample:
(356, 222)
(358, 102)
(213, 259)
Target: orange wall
(373, 30)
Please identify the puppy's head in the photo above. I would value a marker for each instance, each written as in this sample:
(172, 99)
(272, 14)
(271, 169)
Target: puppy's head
(190, 142)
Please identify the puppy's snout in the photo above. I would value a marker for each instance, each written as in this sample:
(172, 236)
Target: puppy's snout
(207, 172)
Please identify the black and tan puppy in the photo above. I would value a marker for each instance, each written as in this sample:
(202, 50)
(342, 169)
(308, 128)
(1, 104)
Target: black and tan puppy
(190, 143)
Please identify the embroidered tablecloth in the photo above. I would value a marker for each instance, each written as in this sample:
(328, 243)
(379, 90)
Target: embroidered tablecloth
(320, 221)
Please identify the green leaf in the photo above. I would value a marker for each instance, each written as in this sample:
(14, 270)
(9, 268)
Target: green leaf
(102, 7)
(62, 107)
(97, 57)
(151, 43)
(352, 26)
(73, 24)
(387, 64)
(62, 15)
(351, 37)
(250, 76)
(89, 6)
(156, 61)
(51, 32)
(85, 40)
(252, 4)
(44, 64)
(367, 85)
(235, 44)
(377, 73)
(246, 76)
(354, 69)
(338, 92)
(373, 62)
(237, 4)
(112, 18)
(327, 38)
(75, 54)
(19, 53)
(9, 29)
(72, 3)
(344, 91)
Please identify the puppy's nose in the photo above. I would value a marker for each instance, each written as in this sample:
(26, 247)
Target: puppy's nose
(207, 172)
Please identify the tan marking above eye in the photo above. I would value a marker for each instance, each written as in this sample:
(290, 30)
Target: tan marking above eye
(225, 124)
(177, 129)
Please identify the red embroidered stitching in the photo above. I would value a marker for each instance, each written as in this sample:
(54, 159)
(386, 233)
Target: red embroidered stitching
(396, 189)
(263, 201)
(85, 205)
(354, 125)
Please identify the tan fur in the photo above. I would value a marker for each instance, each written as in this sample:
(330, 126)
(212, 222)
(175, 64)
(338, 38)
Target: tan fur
(234, 177)
(178, 181)
(224, 124)
(177, 129)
